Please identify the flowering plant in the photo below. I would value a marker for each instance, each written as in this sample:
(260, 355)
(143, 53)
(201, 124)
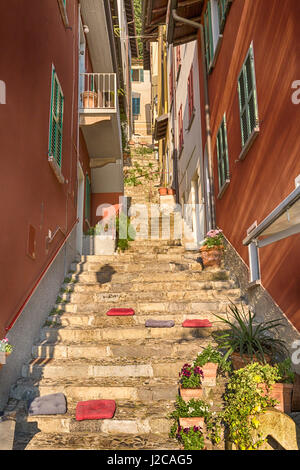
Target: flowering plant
(5, 346)
(190, 376)
(191, 409)
(214, 238)
(191, 438)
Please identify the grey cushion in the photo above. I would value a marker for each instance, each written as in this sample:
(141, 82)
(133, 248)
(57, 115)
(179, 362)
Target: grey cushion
(53, 404)
(159, 323)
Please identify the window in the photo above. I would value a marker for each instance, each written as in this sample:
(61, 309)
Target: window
(56, 120)
(87, 213)
(223, 8)
(171, 85)
(137, 75)
(191, 95)
(63, 10)
(214, 23)
(248, 100)
(136, 106)
(222, 155)
(180, 129)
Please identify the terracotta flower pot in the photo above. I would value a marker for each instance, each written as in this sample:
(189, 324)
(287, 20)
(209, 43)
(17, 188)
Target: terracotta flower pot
(89, 99)
(191, 422)
(238, 362)
(188, 394)
(163, 191)
(281, 392)
(171, 191)
(210, 370)
(212, 256)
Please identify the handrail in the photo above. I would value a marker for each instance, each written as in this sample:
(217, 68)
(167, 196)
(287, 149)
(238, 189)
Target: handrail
(40, 278)
(50, 239)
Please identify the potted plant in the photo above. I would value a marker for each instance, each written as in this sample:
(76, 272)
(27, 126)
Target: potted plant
(212, 248)
(190, 413)
(283, 388)
(247, 342)
(191, 438)
(211, 360)
(89, 99)
(171, 191)
(244, 402)
(5, 350)
(190, 382)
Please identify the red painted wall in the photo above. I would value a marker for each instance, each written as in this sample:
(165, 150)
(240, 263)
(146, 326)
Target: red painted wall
(34, 37)
(103, 198)
(266, 175)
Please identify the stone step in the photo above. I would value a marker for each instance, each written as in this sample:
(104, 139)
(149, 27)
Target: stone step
(82, 320)
(146, 307)
(129, 419)
(150, 348)
(159, 295)
(94, 334)
(137, 286)
(108, 367)
(135, 389)
(134, 266)
(94, 441)
(178, 272)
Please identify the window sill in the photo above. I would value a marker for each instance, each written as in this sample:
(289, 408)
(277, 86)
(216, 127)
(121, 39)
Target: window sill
(216, 54)
(191, 121)
(63, 12)
(249, 143)
(56, 169)
(223, 188)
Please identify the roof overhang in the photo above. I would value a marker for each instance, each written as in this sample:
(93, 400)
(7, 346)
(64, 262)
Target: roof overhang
(282, 222)
(154, 15)
(129, 8)
(181, 32)
(161, 125)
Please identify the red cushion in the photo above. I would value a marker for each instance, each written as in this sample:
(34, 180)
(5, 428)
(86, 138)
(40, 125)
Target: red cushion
(196, 323)
(120, 311)
(95, 409)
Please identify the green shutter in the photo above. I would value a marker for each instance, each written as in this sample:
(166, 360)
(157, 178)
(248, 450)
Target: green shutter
(87, 198)
(248, 97)
(208, 36)
(141, 75)
(222, 154)
(56, 120)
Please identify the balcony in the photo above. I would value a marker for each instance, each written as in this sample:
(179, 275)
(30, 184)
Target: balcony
(99, 117)
(98, 93)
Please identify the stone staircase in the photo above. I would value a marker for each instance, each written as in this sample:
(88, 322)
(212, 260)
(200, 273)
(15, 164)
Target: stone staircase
(87, 355)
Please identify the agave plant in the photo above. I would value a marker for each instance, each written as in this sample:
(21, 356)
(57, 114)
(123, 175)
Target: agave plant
(247, 337)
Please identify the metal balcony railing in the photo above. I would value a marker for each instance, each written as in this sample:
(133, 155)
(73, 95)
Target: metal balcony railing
(98, 91)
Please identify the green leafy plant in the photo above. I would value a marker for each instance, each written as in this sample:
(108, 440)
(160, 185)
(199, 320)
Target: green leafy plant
(122, 229)
(247, 338)
(5, 346)
(214, 238)
(244, 401)
(285, 371)
(210, 354)
(190, 376)
(190, 409)
(191, 438)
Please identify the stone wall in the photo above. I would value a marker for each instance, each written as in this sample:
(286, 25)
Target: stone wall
(260, 301)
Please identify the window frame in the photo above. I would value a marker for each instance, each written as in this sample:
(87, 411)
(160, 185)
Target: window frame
(136, 99)
(180, 131)
(252, 132)
(56, 120)
(191, 106)
(222, 157)
(63, 11)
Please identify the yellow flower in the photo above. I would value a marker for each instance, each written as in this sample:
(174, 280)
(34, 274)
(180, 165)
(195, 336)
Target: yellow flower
(257, 379)
(255, 423)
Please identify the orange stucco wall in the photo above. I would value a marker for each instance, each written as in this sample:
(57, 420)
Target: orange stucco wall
(266, 175)
(103, 198)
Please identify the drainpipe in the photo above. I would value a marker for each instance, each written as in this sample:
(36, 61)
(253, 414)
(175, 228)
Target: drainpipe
(207, 114)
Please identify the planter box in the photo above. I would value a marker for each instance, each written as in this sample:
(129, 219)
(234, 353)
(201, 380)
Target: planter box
(2, 357)
(212, 256)
(98, 245)
(282, 393)
(188, 394)
(210, 374)
(163, 191)
(191, 422)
